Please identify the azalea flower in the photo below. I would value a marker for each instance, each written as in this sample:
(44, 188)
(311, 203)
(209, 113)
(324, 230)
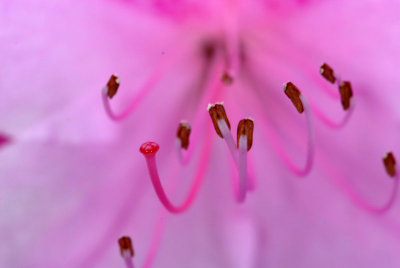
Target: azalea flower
(94, 162)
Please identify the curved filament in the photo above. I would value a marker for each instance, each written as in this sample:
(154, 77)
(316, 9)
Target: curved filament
(156, 240)
(277, 145)
(331, 123)
(129, 262)
(356, 198)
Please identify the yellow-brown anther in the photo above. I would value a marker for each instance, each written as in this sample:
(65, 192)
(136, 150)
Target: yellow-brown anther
(226, 78)
(346, 93)
(112, 86)
(246, 128)
(390, 164)
(183, 134)
(217, 112)
(125, 245)
(328, 73)
(294, 95)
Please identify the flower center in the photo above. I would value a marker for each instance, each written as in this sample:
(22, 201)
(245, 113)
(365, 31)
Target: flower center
(223, 64)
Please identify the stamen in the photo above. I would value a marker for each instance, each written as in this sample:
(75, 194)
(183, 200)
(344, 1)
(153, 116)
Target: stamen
(347, 100)
(125, 246)
(127, 252)
(390, 164)
(246, 128)
(183, 134)
(328, 73)
(346, 97)
(217, 113)
(275, 142)
(299, 101)
(112, 86)
(294, 95)
(346, 94)
(227, 79)
(149, 150)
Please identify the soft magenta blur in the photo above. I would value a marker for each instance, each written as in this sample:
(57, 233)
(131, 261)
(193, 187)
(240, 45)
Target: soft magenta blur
(72, 181)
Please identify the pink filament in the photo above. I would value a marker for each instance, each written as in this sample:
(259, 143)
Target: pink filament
(240, 159)
(199, 176)
(129, 262)
(155, 242)
(162, 67)
(356, 198)
(334, 124)
(242, 165)
(277, 146)
(228, 138)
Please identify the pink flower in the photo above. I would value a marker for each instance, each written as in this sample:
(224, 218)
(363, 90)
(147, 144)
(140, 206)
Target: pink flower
(72, 181)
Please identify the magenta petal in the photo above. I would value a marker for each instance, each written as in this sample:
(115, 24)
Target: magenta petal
(72, 181)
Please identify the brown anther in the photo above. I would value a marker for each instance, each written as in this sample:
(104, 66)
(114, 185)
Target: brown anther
(112, 86)
(217, 112)
(227, 78)
(125, 245)
(183, 134)
(328, 73)
(346, 93)
(208, 50)
(390, 164)
(246, 128)
(294, 95)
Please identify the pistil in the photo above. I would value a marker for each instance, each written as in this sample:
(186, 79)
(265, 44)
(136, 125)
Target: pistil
(150, 149)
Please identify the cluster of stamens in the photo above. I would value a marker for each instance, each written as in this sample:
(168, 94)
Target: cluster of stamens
(244, 142)
(345, 90)
(238, 149)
